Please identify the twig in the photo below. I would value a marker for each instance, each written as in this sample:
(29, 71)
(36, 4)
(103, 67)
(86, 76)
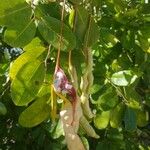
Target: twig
(61, 32)
(118, 90)
(4, 91)
(45, 61)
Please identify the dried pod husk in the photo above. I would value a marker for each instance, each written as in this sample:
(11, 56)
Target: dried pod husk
(88, 128)
(73, 140)
(84, 82)
(85, 106)
(73, 74)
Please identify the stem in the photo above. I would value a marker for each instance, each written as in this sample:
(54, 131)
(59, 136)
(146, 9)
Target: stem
(87, 78)
(60, 39)
(119, 91)
(72, 69)
(45, 61)
(88, 33)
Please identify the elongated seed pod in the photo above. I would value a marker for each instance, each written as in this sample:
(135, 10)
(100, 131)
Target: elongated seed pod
(90, 68)
(53, 104)
(88, 128)
(73, 74)
(84, 82)
(73, 140)
(85, 106)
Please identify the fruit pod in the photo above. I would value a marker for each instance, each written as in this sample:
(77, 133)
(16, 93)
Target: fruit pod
(90, 69)
(84, 82)
(53, 104)
(85, 106)
(73, 74)
(88, 128)
(73, 140)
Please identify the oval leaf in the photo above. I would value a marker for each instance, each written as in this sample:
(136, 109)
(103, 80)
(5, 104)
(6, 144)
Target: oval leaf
(142, 118)
(50, 28)
(82, 17)
(3, 109)
(18, 33)
(27, 82)
(101, 120)
(35, 113)
(108, 100)
(130, 119)
(92, 34)
(33, 51)
(116, 116)
(123, 78)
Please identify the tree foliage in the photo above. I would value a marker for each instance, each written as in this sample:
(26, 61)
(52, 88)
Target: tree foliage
(117, 34)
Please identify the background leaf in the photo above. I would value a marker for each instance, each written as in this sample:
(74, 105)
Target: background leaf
(27, 82)
(49, 28)
(36, 113)
(18, 34)
(108, 100)
(3, 109)
(130, 119)
(123, 78)
(116, 116)
(102, 119)
(32, 51)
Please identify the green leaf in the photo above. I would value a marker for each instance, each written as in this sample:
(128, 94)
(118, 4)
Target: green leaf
(134, 99)
(75, 1)
(108, 38)
(36, 113)
(102, 119)
(119, 5)
(130, 119)
(108, 100)
(128, 39)
(3, 109)
(109, 145)
(58, 130)
(82, 20)
(123, 78)
(92, 34)
(49, 28)
(115, 135)
(44, 90)
(27, 82)
(116, 116)
(48, 9)
(33, 51)
(142, 118)
(144, 41)
(16, 15)
(95, 88)
(35, 47)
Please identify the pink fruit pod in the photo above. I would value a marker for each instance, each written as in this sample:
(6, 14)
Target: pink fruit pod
(62, 85)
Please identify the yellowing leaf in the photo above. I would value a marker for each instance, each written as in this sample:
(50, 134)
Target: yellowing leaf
(102, 119)
(35, 113)
(33, 51)
(27, 82)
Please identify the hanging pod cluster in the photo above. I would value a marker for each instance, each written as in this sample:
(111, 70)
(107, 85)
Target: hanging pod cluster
(76, 110)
